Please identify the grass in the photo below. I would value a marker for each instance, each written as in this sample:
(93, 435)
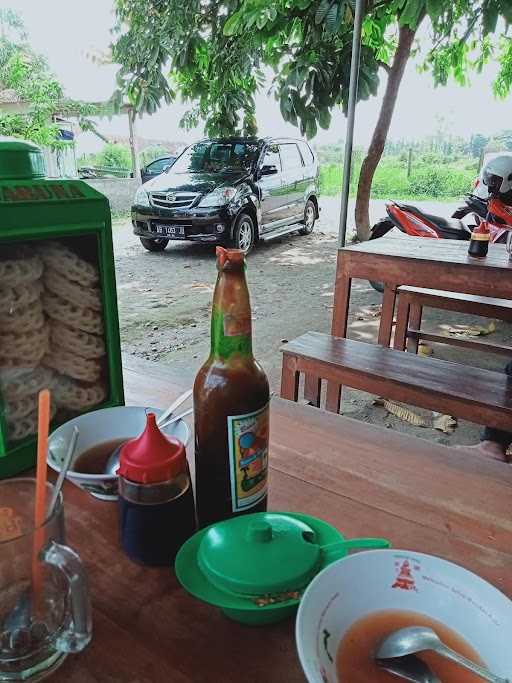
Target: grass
(430, 179)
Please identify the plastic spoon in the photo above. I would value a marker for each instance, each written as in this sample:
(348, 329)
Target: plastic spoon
(407, 641)
(410, 668)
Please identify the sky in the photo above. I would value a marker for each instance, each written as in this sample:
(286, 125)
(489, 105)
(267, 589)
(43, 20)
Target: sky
(67, 33)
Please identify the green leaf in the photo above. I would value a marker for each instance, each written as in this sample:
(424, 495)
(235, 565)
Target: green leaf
(435, 8)
(490, 17)
(311, 128)
(322, 10)
(331, 19)
(232, 25)
(411, 13)
(324, 118)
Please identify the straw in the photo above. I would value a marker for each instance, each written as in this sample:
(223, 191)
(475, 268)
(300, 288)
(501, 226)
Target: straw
(43, 424)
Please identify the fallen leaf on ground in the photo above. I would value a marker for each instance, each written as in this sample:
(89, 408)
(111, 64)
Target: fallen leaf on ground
(445, 423)
(403, 413)
(425, 350)
(473, 330)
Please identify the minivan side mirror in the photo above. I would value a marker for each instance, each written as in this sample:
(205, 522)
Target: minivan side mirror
(268, 169)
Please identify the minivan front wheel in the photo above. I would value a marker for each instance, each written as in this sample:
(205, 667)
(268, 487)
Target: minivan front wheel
(309, 218)
(154, 245)
(243, 233)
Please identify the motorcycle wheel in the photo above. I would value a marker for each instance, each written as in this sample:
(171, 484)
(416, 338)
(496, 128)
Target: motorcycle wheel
(379, 230)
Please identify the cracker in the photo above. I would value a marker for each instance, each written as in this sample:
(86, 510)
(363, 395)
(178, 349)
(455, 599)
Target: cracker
(15, 272)
(24, 350)
(15, 410)
(21, 320)
(69, 393)
(68, 290)
(62, 259)
(18, 383)
(14, 298)
(77, 317)
(68, 363)
(26, 426)
(82, 343)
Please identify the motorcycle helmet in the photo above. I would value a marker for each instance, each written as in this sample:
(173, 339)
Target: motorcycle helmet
(497, 175)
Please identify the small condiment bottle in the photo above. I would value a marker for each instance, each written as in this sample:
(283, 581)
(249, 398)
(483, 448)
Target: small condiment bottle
(479, 244)
(156, 502)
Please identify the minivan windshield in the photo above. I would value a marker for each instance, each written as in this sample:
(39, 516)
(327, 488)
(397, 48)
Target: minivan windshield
(213, 157)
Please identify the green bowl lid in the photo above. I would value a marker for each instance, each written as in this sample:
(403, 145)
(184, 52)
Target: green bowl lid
(20, 159)
(259, 554)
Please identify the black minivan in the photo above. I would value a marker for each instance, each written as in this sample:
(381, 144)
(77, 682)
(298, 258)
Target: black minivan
(231, 191)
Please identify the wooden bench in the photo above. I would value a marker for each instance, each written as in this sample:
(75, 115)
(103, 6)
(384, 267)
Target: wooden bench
(408, 332)
(480, 396)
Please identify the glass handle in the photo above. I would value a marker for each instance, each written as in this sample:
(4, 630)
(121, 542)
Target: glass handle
(78, 632)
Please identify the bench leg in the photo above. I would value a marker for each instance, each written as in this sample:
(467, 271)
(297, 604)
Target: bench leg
(333, 397)
(402, 323)
(289, 379)
(386, 319)
(415, 316)
(312, 389)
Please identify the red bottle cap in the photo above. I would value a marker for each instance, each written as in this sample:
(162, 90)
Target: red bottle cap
(152, 457)
(481, 229)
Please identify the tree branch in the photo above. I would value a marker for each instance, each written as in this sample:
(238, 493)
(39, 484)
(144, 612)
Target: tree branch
(384, 66)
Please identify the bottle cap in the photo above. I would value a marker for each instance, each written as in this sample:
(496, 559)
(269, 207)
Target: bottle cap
(481, 231)
(152, 457)
(229, 257)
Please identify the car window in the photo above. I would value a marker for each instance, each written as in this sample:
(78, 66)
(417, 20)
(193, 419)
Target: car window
(290, 156)
(158, 165)
(272, 157)
(306, 152)
(216, 156)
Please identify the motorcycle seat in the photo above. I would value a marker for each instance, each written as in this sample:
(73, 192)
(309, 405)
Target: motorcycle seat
(453, 228)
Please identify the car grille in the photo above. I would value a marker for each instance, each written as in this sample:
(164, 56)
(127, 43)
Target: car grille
(173, 200)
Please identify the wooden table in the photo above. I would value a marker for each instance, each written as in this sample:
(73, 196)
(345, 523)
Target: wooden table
(364, 480)
(419, 262)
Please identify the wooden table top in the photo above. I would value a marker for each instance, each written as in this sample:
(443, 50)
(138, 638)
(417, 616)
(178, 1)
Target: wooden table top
(365, 480)
(447, 251)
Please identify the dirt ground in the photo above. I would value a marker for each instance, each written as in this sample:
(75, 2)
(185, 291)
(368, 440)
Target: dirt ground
(165, 298)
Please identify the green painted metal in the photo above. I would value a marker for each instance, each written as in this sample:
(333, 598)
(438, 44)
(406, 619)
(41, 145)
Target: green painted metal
(35, 208)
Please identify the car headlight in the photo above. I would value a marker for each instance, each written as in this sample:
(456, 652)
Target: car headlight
(141, 197)
(219, 197)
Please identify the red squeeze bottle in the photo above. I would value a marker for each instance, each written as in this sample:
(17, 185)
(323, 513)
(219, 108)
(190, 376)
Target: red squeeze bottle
(156, 502)
(479, 245)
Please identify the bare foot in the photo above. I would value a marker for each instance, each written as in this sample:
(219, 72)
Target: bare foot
(489, 449)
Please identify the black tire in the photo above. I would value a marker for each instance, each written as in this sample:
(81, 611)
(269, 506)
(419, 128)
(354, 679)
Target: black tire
(154, 245)
(243, 233)
(309, 218)
(378, 286)
(379, 230)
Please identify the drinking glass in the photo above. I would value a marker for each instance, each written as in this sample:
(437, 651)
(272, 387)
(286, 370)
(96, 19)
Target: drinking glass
(44, 601)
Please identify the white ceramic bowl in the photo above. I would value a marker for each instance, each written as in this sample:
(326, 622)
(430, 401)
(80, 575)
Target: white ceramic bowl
(367, 582)
(123, 422)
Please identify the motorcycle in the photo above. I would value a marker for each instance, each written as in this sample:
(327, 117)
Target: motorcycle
(416, 223)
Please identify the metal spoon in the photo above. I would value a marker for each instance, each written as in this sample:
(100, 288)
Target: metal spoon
(176, 404)
(408, 641)
(113, 459)
(410, 668)
(64, 470)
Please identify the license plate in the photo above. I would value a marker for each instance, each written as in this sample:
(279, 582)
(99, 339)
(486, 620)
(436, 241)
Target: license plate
(171, 230)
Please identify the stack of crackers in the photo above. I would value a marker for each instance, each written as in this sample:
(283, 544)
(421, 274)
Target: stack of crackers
(51, 333)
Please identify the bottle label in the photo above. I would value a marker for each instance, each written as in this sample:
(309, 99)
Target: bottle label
(248, 457)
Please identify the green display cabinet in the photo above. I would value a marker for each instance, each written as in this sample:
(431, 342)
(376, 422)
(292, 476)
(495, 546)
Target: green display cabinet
(59, 326)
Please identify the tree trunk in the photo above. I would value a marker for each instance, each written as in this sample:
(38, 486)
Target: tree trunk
(376, 148)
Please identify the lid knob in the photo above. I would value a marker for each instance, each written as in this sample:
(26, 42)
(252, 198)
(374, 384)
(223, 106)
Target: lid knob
(259, 532)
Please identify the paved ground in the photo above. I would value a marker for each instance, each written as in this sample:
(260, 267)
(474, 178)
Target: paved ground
(164, 305)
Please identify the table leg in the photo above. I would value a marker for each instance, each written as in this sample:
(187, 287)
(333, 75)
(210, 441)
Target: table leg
(386, 318)
(289, 379)
(342, 289)
(415, 316)
(402, 323)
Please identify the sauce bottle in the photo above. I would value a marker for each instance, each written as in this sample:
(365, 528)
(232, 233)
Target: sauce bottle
(231, 397)
(156, 502)
(479, 244)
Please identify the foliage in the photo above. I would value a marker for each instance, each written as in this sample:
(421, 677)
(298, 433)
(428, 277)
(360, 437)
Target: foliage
(28, 75)
(429, 180)
(151, 153)
(213, 51)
